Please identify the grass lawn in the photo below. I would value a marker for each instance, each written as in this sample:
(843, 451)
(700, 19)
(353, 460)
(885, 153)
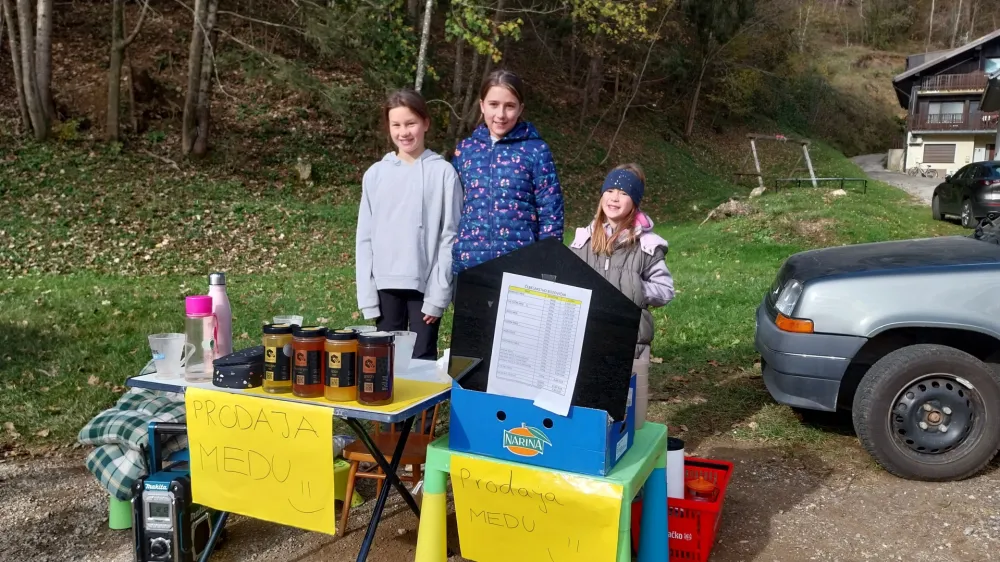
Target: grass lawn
(100, 248)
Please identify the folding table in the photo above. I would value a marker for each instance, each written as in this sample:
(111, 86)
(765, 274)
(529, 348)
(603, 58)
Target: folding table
(419, 389)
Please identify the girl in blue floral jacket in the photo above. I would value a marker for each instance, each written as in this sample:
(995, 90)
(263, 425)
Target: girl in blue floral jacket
(512, 192)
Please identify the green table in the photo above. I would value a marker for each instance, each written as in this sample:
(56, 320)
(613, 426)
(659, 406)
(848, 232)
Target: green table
(642, 466)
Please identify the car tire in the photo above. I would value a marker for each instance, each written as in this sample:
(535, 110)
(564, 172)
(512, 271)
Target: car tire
(936, 208)
(968, 221)
(961, 390)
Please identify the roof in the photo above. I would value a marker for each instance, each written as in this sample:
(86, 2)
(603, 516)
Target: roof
(949, 55)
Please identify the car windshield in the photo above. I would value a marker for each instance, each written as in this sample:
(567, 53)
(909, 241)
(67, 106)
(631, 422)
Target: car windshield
(991, 171)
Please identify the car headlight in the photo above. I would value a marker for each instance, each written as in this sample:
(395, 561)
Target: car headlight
(788, 298)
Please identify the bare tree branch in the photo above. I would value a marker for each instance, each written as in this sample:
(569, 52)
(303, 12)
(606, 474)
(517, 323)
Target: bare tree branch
(138, 24)
(638, 82)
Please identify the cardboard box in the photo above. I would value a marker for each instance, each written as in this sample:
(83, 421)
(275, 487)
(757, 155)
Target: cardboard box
(587, 441)
(600, 425)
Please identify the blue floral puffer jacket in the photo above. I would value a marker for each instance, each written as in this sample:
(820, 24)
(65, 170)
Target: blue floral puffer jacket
(512, 194)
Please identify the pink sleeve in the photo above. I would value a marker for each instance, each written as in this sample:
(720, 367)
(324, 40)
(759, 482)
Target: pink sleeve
(657, 284)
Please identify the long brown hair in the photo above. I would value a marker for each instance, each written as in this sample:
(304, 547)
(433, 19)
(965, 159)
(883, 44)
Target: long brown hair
(624, 232)
(410, 99)
(503, 79)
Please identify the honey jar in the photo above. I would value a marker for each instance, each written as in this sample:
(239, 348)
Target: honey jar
(340, 358)
(375, 363)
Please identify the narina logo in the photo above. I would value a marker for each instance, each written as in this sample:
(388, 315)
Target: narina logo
(525, 441)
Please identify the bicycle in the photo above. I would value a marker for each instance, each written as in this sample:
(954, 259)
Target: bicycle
(920, 170)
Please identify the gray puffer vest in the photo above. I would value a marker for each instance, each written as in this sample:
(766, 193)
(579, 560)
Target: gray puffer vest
(623, 269)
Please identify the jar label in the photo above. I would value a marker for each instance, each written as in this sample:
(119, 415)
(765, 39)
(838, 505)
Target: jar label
(340, 369)
(277, 366)
(308, 367)
(375, 374)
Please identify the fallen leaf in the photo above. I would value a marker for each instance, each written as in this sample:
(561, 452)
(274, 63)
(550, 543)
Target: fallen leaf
(43, 433)
(752, 425)
(9, 426)
(93, 380)
(713, 363)
(355, 316)
(656, 360)
(679, 379)
(244, 336)
(684, 429)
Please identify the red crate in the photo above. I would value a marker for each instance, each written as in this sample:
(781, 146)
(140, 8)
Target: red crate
(692, 524)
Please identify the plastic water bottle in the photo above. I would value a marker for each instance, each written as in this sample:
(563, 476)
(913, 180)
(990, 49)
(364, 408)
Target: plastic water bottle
(200, 328)
(223, 314)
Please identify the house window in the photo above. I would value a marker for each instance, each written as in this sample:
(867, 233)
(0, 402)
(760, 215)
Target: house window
(946, 112)
(992, 65)
(939, 154)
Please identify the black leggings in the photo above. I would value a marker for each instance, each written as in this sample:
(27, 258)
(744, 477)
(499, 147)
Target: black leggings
(401, 312)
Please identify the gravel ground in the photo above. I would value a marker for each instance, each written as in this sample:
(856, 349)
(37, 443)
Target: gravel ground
(785, 504)
(919, 187)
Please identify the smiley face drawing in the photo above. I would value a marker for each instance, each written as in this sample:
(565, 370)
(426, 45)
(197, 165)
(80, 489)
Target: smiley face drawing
(307, 503)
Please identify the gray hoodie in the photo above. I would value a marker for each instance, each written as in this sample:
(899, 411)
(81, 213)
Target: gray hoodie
(407, 224)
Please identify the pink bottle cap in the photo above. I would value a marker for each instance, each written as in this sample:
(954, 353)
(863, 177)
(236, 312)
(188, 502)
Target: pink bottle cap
(198, 305)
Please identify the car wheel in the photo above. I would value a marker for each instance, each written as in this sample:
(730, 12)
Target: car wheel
(968, 221)
(929, 412)
(936, 209)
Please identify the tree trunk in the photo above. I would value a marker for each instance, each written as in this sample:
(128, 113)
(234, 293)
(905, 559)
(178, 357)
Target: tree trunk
(197, 49)
(39, 123)
(689, 128)
(119, 44)
(43, 58)
(22, 104)
(930, 29)
(456, 90)
(413, 9)
(973, 13)
(469, 112)
(204, 110)
(958, 19)
(115, 68)
(133, 118)
(425, 35)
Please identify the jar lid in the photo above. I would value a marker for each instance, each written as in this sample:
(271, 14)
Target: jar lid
(341, 335)
(309, 331)
(278, 328)
(375, 338)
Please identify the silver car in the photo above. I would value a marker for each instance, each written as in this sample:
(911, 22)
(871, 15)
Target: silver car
(905, 335)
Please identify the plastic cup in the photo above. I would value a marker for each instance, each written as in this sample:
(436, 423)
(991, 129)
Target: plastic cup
(404, 351)
(170, 354)
(290, 319)
(361, 329)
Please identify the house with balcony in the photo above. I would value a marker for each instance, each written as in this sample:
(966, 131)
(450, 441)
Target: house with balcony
(946, 128)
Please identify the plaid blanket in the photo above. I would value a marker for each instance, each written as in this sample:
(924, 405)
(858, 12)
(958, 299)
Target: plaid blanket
(120, 434)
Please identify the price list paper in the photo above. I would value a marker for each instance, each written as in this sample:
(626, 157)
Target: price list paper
(538, 341)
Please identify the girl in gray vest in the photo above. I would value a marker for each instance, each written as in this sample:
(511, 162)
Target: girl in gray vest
(620, 245)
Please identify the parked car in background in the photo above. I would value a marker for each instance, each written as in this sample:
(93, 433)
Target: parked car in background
(969, 194)
(905, 335)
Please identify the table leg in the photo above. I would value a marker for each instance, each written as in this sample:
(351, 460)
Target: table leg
(390, 475)
(654, 537)
(216, 531)
(384, 464)
(432, 537)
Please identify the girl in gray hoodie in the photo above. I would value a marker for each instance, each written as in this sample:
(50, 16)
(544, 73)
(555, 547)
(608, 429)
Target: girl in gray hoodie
(407, 223)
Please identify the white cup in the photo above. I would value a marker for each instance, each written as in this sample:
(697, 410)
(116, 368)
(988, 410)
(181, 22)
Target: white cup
(290, 319)
(404, 351)
(170, 354)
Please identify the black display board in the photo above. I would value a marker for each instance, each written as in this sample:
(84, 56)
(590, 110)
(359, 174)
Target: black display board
(611, 332)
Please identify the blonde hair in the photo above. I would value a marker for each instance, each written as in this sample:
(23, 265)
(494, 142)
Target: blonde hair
(600, 242)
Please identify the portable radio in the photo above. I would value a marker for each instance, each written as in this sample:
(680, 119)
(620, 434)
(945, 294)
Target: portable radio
(169, 527)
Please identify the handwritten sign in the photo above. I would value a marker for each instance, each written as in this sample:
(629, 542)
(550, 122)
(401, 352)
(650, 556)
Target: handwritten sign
(508, 512)
(263, 458)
